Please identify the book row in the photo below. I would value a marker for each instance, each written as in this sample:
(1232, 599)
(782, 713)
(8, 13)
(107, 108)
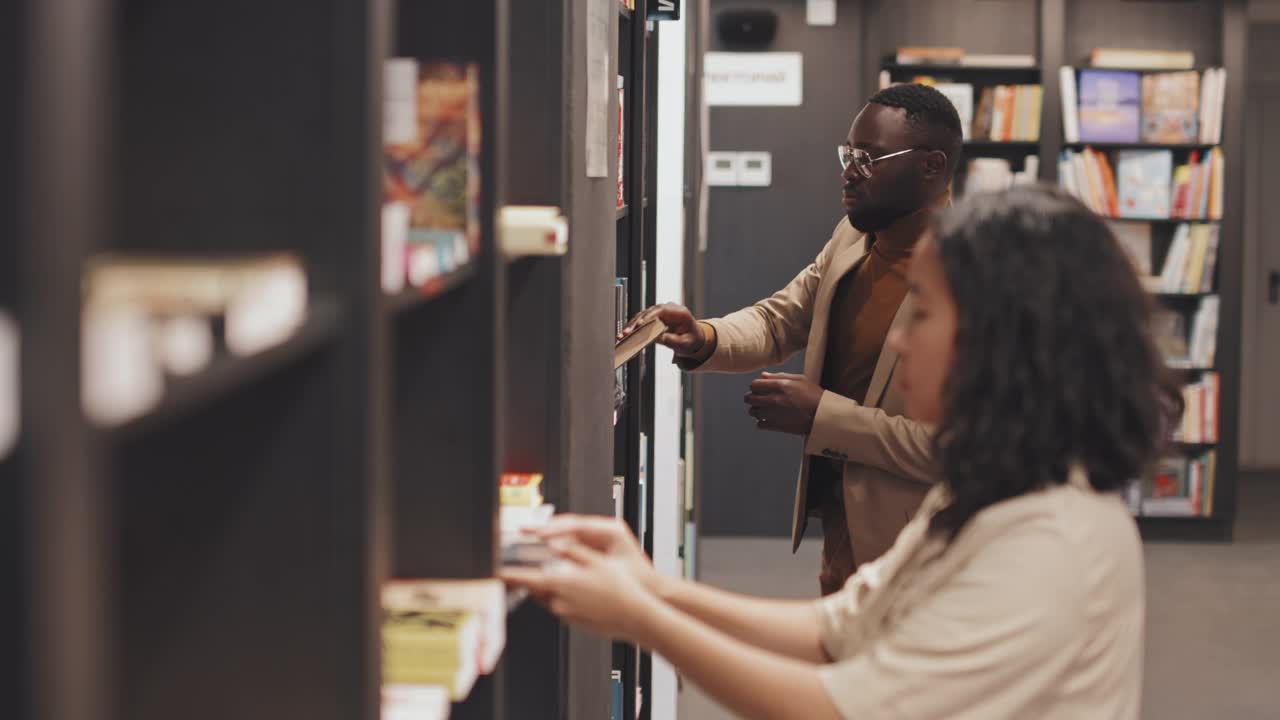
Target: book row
(1188, 348)
(1121, 106)
(1145, 184)
(1178, 487)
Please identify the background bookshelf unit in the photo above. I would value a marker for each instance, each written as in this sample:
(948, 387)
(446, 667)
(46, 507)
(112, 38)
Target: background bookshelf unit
(1065, 32)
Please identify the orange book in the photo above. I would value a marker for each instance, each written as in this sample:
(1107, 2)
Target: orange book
(1010, 112)
(1109, 186)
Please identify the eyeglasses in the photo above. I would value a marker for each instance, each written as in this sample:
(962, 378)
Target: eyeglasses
(862, 160)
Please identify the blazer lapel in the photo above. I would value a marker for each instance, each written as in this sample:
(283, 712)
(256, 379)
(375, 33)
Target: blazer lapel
(842, 264)
(887, 360)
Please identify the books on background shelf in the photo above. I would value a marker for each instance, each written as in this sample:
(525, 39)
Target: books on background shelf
(992, 174)
(1133, 106)
(431, 179)
(1002, 113)
(1178, 487)
(1196, 349)
(1148, 186)
(622, 194)
(1190, 263)
(628, 4)
(1135, 239)
(932, 55)
(1130, 58)
(1200, 417)
(10, 384)
(149, 317)
(615, 695)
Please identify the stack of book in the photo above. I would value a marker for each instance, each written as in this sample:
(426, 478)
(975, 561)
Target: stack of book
(485, 598)
(149, 317)
(1200, 418)
(1130, 106)
(522, 509)
(1191, 260)
(1179, 487)
(1004, 113)
(431, 182)
(993, 174)
(1195, 350)
(425, 646)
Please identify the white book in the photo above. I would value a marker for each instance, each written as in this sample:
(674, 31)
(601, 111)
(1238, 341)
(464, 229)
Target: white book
(1070, 106)
(1176, 259)
(415, 702)
(961, 96)
(1204, 333)
(1206, 104)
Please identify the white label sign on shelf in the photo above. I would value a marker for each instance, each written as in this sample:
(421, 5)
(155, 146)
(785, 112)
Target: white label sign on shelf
(753, 79)
(821, 12)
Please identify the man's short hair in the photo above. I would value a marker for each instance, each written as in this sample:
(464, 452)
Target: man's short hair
(930, 113)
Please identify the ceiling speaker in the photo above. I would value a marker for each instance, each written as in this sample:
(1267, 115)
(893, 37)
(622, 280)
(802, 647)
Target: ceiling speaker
(747, 29)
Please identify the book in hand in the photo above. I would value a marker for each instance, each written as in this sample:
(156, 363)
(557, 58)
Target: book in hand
(641, 338)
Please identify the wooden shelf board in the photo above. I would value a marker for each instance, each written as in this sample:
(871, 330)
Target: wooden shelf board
(943, 68)
(412, 297)
(1192, 221)
(1138, 146)
(984, 144)
(229, 373)
(1184, 529)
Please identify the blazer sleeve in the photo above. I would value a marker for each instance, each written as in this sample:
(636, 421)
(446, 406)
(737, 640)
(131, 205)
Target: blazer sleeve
(772, 330)
(844, 429)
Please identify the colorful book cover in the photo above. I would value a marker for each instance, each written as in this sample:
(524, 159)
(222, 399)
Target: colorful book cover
(1171, 107)
(437, 175)
(1110, 106)
(1144, 179)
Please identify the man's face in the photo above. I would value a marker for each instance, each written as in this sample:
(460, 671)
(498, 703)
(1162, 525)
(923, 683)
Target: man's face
(896, 187)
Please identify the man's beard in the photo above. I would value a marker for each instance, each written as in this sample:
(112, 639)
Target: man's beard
(877, 218)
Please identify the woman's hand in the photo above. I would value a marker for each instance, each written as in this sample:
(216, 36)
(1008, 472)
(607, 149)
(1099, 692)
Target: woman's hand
(609, 536)
(586, 587)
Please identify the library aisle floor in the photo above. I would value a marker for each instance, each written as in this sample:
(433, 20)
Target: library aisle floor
(1213, 634)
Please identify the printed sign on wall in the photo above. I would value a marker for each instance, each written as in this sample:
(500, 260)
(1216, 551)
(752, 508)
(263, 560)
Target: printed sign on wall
(753, 79)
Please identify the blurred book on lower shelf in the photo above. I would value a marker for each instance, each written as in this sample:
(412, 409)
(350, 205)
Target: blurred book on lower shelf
(431, 178)
(485, 598)
(527, 230)
(521, 510)
(1177, 487)
(148, 317)
(428, 646)
(415, 702)
(985, 174)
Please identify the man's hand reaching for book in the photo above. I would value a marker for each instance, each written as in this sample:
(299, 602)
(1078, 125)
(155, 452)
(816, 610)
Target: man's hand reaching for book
(685, 335)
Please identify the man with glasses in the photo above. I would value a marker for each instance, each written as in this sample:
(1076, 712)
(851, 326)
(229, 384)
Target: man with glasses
(866, 467)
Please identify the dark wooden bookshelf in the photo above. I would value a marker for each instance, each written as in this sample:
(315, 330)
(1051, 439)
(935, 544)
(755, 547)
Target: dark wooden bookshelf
(1164, 220)
(412, 297)
(625, 12)
(997, 145)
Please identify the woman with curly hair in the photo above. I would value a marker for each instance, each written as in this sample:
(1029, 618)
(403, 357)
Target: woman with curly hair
(1017, 590)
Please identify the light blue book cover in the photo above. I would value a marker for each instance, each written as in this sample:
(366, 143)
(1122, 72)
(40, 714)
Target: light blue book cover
(1144, 183)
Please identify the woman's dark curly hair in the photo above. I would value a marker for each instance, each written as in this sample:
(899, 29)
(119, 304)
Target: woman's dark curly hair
(1054, 361)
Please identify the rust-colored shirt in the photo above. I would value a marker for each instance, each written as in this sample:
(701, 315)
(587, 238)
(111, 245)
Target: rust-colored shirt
(862, 310)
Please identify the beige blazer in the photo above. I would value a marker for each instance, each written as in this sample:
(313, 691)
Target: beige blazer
(888, 466)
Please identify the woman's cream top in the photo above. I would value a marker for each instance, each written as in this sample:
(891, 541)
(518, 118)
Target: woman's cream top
(1036, 610)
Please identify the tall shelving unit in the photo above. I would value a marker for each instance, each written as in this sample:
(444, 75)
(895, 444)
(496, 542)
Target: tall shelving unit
(222, 554)
(1065, 32)
(633, 429)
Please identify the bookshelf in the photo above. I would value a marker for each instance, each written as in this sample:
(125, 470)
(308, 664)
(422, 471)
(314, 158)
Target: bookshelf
(230, 543)
(1065, 34)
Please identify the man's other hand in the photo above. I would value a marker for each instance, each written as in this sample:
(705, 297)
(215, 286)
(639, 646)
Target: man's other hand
(783, 402)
